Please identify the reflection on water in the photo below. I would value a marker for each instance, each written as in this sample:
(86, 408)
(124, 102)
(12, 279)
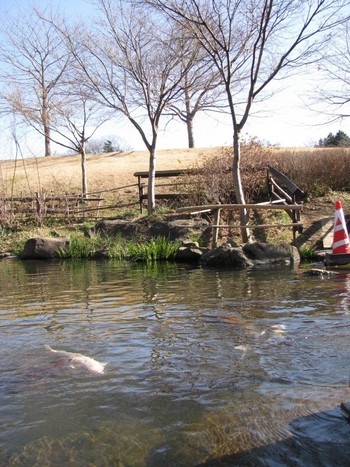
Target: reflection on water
(229, 367)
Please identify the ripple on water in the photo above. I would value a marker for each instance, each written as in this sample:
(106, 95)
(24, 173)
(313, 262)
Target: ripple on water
(244, 367)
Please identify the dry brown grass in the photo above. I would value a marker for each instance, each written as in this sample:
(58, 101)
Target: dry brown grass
(63, 174)
(316, 170)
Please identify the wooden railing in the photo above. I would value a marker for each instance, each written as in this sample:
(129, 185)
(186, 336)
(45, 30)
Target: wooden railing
(281, 188)
(293, 210)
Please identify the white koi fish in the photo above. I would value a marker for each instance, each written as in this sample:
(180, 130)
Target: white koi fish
(76, 359)
(243, 348)
(279, 329)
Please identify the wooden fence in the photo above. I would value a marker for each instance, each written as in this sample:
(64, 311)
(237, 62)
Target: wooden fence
(45, 206)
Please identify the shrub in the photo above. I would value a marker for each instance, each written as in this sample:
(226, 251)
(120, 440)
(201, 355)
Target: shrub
(215, 183)
(317, 171)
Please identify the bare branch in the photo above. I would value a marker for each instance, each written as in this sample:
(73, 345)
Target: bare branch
(251, 43)
(34, 64)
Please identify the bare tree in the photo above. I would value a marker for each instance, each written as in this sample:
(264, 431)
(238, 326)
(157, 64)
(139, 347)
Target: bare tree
(334, 67)
(135, 65)
(76, 121)
(202, 89)
(34, 63)
(252, 43)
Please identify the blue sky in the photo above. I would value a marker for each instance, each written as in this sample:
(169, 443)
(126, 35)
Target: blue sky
(285, 120)
(67, 6)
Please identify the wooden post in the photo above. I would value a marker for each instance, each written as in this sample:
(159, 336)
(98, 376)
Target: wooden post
(66, 214)
(98, 207)
(141, 187)
(38, 208)
(217, 213)
(140, 191)
(44, 209)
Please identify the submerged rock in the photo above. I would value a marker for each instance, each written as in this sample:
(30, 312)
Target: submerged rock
(319, 272)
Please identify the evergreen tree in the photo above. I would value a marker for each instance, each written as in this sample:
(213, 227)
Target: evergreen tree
(340, 140)
(108, 146)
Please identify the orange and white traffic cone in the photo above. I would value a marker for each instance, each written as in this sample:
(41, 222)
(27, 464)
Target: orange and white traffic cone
(341, 243)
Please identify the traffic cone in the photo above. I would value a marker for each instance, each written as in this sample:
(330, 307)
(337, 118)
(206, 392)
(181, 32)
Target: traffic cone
(341, 243)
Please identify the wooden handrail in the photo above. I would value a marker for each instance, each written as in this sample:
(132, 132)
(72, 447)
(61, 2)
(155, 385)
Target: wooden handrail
(217, 208)
(257, 226)
(232, 207)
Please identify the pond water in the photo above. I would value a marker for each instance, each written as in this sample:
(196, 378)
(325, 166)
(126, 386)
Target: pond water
(203, 367)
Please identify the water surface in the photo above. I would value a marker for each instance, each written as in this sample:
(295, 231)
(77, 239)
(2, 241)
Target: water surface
(203, 367)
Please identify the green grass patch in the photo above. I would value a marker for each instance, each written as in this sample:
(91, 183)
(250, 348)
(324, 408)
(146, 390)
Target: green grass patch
(307, 254)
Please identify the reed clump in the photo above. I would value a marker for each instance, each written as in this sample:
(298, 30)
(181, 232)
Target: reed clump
(155, 249)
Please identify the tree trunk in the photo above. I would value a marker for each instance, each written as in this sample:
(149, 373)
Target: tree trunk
(237, 183)
(46, 125)
(189, 116)
(189, 123)
(151, 201)
(47, 141)
(84, 189)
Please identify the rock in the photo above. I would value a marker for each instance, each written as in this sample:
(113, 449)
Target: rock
(226, 256)
(263, 253)
(100, 254)
(251, 255)
(319, 255)
(7, 255)
(45, 248)
(190, 252)
(181, 229)
(178, 229)
(190, 244)
(114, 228)
(231, 242)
